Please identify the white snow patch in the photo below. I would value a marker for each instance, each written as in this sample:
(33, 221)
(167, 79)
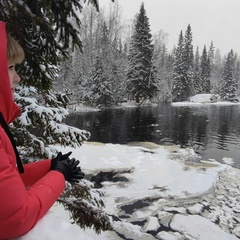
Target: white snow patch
(151, 172)
(199, 228)
(201, 100)
(197, 208)
(228, 161)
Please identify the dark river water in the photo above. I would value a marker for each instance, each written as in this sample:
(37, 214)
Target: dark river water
(213, 131)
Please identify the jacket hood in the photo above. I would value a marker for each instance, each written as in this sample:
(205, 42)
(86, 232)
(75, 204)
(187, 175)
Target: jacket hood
(8, 107)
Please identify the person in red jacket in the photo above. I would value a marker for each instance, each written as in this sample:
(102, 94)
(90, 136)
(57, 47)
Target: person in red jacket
(27, 191)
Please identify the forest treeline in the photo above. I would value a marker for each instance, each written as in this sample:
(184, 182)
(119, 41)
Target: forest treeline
(123, 61)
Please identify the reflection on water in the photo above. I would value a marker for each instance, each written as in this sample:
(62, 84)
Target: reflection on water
(213, 131)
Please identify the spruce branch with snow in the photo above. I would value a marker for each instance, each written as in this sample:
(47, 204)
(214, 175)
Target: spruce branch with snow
(85, 206)
(40, 123)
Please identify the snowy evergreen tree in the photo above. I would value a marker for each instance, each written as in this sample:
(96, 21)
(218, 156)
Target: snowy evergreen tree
(140, 84)
(183, 68)
(236, 72)
(211, 55)
(228, 86)
(205, 71)
(101, 87)
(197, 77)
(216, 72)
(178, 86)
(169, 65)
(118, 84)
(237, 76)
(188, 61)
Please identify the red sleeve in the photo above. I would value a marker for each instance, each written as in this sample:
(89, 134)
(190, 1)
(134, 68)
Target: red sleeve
(34, 171)
(20, 209)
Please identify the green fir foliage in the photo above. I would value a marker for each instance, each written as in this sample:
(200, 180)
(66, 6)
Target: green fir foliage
(228, 86)
(183, 72)
(197, 77)
(205, 72)
(40, 123)
(140, 81)
(85, 206)
(178, 88)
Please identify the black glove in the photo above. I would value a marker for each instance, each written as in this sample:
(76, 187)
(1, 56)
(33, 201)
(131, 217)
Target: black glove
(77, 172)
(61, 157)
(68, 167)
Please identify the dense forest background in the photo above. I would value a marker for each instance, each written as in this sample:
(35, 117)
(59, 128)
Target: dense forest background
(123, 61)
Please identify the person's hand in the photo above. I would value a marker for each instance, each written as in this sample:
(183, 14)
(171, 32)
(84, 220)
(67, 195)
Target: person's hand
(68, 167)
(61, 157)
(77, 172)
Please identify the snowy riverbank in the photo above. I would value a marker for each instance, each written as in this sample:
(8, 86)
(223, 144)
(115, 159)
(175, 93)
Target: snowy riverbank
(194, 101)
(157, 192)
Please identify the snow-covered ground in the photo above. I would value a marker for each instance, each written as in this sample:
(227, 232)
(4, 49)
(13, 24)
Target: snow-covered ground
(158, 192)
(166, 195)
(203, 99)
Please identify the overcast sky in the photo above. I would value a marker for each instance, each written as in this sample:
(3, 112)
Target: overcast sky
(211, 20)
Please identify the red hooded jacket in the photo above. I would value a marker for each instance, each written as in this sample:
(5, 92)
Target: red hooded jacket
(24, 198)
